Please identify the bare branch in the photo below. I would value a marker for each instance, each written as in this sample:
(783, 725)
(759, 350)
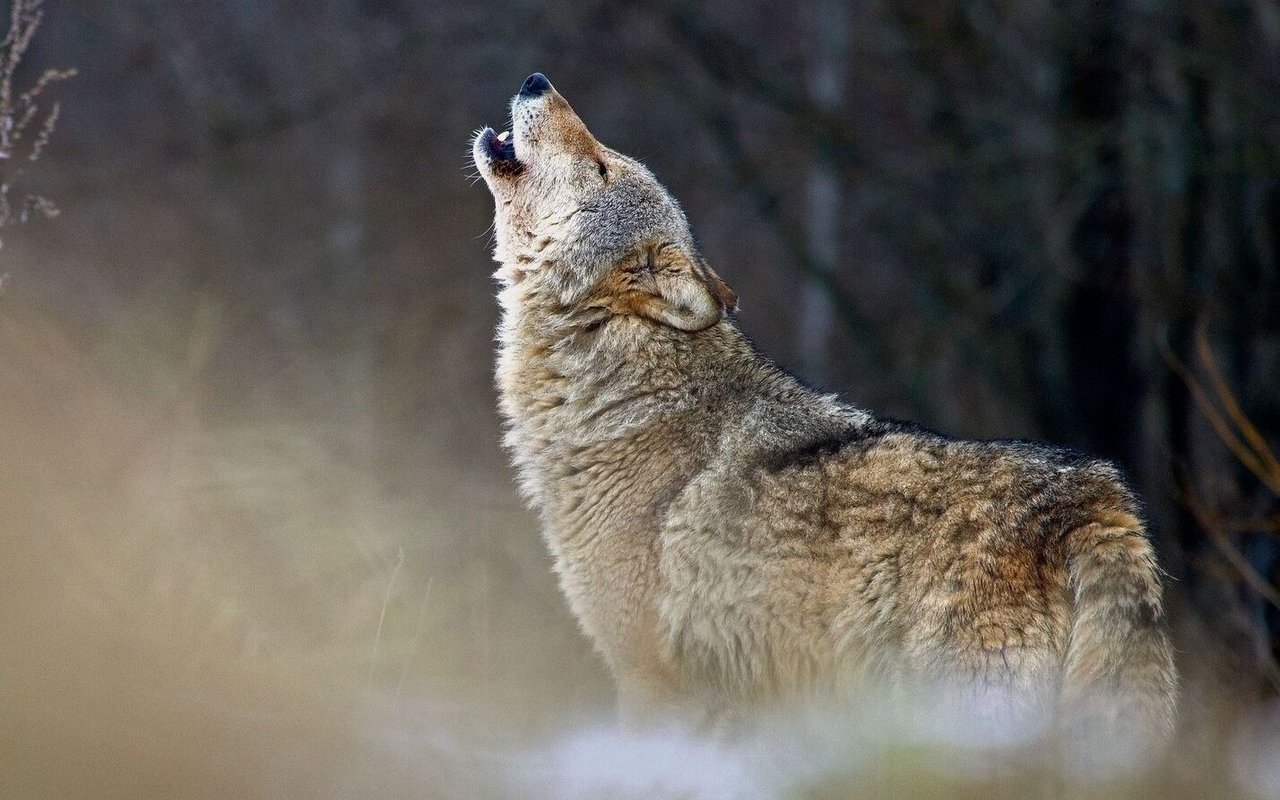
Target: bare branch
(1231, 404)
(46, 130)
(1225, 430)
(19, 111)
(1222, 542)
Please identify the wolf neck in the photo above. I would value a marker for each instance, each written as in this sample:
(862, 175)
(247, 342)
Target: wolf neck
(634, 411)
(584, 411)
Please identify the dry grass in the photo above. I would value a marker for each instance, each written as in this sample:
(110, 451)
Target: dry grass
(206, 607)
(211, 605)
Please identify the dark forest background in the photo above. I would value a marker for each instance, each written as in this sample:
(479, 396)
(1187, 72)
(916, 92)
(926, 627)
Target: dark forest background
(249, 460)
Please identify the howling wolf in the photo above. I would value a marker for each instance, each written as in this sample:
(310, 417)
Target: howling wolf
(730, 538)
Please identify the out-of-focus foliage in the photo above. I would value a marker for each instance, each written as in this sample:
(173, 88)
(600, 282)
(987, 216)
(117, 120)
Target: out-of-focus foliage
(259, 536)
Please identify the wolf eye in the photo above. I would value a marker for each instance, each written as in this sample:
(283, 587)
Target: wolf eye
(604, 171)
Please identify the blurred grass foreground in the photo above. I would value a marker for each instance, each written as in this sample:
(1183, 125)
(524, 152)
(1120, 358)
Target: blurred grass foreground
(259, 538)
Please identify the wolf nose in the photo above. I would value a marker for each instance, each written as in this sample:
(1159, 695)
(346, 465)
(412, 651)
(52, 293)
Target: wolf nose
(535, 85)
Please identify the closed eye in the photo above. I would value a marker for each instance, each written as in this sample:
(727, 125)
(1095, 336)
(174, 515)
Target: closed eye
(604, 171)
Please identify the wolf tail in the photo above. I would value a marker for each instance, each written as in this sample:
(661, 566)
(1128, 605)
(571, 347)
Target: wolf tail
(1118, 672)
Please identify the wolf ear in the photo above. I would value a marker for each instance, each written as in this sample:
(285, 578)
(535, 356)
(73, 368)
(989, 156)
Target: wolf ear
(680, 290)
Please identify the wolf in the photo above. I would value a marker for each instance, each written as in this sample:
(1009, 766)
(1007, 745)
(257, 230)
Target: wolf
(731, 539)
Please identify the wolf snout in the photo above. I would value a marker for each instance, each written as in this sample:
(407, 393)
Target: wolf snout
(535, 85)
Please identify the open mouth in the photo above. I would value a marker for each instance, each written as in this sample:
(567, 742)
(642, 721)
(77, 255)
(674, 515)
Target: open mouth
(501, 151)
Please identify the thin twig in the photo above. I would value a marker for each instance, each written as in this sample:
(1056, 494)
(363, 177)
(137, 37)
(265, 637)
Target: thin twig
(19, 111)
(1251, 576)
(1232, 405)
(46, 130)
(1220, 426)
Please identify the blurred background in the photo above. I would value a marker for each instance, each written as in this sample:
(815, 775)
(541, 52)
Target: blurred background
(259, 537)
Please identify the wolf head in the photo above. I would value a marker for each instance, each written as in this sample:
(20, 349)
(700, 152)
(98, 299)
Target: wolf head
(591, 227)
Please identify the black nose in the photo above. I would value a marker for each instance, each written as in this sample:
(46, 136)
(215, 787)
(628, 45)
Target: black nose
(535, 85)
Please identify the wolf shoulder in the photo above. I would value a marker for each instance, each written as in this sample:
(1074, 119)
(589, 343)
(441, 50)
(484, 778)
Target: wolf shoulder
(882, 475)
